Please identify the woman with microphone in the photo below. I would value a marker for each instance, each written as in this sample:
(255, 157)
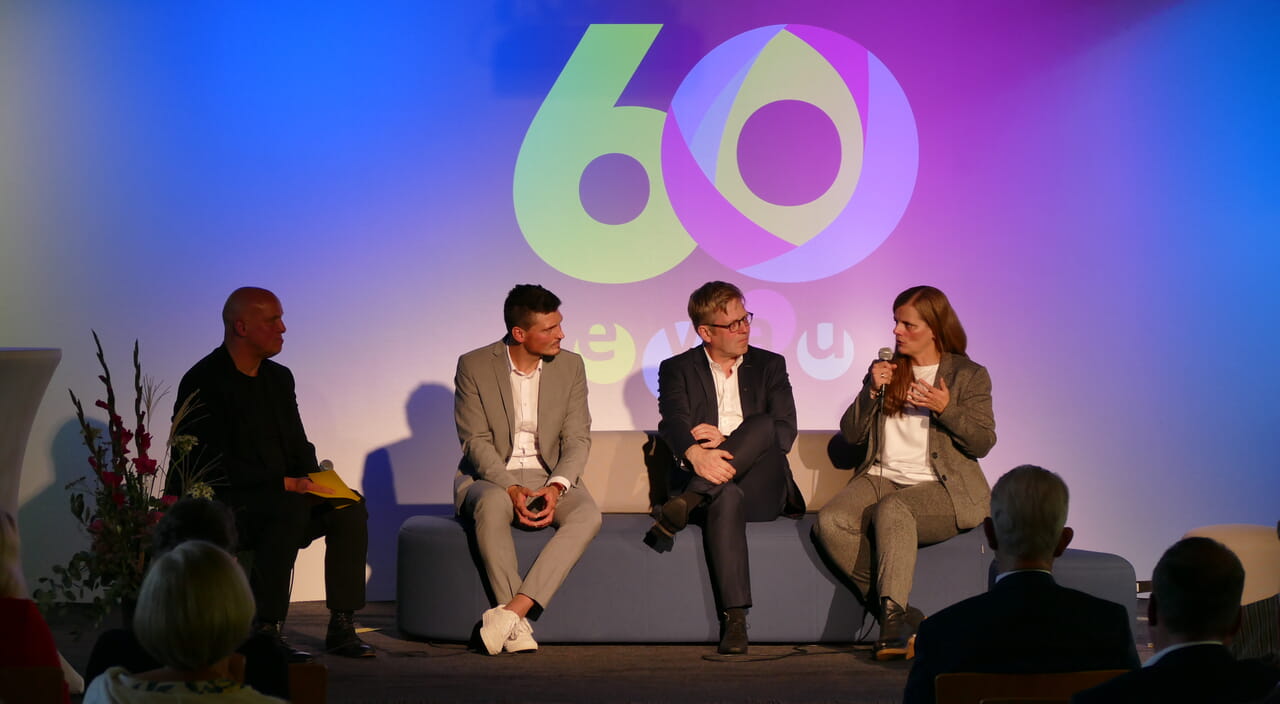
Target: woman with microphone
(924, 418)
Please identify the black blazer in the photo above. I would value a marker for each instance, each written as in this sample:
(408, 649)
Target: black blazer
(1194, 674)
(1027, 623)
(221, 421)
(687, 397)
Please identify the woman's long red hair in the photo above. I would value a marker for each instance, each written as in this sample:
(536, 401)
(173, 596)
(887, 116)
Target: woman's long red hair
(948, 335)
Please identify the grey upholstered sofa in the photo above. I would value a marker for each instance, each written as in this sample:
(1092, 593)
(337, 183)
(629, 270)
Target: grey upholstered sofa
(621, 591)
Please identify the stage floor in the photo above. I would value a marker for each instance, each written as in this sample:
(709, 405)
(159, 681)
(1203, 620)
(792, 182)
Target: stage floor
(413, 671)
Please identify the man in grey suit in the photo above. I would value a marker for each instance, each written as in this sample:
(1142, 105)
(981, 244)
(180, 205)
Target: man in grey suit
(520, 405)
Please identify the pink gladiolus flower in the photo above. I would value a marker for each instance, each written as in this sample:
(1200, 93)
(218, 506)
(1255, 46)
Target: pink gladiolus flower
(144, 465)
(118, 498)
(154, 517)
(96, 526)
(101, 404)
(112, 479)
(144, 439)
(125, 436)
(169, 499)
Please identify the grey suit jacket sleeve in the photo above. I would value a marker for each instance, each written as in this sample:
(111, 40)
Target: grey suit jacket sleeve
(480, 445)
(855, 424)
(968, 418)
(573, 439)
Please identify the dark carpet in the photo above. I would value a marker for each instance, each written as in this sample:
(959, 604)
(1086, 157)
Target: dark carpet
(408, 670)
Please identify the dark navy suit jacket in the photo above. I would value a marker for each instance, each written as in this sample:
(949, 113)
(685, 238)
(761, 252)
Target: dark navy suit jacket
(1027, 623)
(1194, 674)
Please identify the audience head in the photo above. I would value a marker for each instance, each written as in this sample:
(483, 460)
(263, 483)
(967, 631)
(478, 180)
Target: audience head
(1195, 591)
(195, 519)
(12, 585)
(525, 301)
(253, 322)
(194, 607)
(711, 298)
(1028, 519)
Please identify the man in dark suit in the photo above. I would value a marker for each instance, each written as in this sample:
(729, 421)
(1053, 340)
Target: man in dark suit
(729, 417)
(1194, 609)
(244, 416)
(1026, 623)
(520, 406)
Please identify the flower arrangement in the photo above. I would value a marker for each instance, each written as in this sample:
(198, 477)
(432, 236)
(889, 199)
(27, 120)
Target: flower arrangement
(123, 499)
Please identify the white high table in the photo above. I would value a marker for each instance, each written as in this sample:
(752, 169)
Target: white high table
(24, 376)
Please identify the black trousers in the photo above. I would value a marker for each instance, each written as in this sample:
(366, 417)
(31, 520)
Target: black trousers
(275, 535)
(757, 492)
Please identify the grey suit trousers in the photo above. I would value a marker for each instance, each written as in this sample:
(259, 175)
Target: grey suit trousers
(898, 518)
(576, 522)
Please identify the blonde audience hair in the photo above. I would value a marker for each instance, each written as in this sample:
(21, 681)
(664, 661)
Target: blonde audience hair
(194, 608)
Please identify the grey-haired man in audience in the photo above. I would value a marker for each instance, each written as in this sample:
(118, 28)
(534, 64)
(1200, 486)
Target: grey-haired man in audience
(1027, 622)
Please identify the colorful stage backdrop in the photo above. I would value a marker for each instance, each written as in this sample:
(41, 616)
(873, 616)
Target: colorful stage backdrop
(1093, 184)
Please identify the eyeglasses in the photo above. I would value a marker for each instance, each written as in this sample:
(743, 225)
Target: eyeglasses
(736, 325)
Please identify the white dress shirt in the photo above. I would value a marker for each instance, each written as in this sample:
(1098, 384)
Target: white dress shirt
(524, 435)
(728, 402)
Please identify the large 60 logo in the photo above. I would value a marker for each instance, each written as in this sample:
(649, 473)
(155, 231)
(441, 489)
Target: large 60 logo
(789, 153)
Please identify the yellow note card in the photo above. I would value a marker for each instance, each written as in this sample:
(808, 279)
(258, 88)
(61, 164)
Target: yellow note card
(329, 479)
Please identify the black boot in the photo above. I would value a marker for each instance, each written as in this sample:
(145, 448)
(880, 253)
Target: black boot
(341, 638)
(733, 632)
(273, 633)
(897, 631)
(672, 519)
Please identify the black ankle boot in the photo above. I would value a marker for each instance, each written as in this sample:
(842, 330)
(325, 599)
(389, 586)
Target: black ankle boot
(733, 632)
(897, 631)
(341, 638)
(273, 632)
(672, 518)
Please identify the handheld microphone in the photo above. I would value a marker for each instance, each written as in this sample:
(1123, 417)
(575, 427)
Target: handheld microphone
(885, 355)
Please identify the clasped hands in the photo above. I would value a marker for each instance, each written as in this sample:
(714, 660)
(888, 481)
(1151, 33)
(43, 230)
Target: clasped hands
(705, 457)
(521, 496)
(921, 394)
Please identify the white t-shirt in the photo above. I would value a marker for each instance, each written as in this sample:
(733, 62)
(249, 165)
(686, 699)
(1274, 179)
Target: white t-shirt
(904, 458)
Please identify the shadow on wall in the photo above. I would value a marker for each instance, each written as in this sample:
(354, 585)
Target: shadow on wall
(50, 533)
(640, 402)
(407, 478)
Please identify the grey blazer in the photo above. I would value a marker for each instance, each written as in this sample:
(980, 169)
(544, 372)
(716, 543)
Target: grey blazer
(485, 416)
(962, 433)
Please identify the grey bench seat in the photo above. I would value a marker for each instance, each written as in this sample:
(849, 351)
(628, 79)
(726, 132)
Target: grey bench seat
(621, 591)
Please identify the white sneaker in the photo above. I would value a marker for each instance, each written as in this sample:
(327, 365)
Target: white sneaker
(521, 640)
(496, 627)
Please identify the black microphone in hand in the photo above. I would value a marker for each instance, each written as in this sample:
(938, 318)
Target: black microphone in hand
(885, 355)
